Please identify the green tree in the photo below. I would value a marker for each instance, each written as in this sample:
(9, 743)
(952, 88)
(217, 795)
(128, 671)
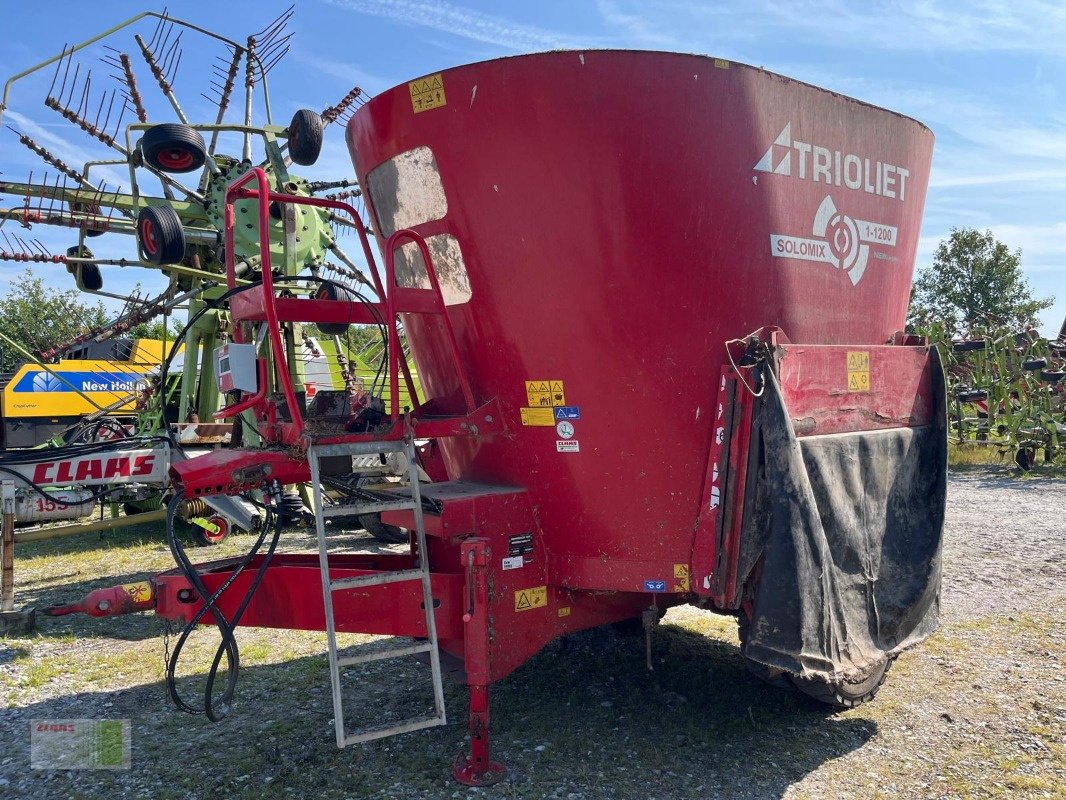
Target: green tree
(39, 318)
(973, 277)
(155, 328)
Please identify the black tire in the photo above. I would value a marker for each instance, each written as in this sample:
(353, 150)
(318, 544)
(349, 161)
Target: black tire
(172, 147)
(86, 275)
(160, 235)
(843, 693)
(83, 208)
(389, 534)
(972, 395)
(1052, 375)
(774, 677)
(1033, 364)
(1025, 458)
(968, 346)
(331, 290)
(305, 137)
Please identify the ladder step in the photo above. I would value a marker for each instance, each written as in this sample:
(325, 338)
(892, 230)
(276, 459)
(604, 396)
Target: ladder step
(376, 579)
(381, 655)
(381, 731)
(355, 509)
(355, 449)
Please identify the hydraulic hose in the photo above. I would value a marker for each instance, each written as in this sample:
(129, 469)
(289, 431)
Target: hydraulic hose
(228, 645)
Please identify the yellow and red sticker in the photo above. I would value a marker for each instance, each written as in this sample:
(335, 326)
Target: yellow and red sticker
(139, 592)
(858, 371)
(545, 394)
(682, 582)
(427, 93)
(542, 398)
(528, 599)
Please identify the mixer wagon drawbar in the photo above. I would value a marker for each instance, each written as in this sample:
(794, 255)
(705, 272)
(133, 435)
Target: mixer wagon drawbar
(655, 302)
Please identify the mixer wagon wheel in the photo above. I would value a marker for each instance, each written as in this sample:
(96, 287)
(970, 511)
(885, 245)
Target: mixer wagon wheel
(160, 236)
(774, 677)
(389, 534)
(172, 147)
(843, 693)
(305, 137)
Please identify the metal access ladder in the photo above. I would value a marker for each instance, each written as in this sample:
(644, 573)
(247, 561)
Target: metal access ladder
(419, 573)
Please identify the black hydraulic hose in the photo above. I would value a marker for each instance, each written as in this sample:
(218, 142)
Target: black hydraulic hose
(228, 645)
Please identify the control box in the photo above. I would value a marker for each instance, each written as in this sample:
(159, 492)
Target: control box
(235, 368)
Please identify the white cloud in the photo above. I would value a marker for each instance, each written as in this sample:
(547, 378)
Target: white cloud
(636, 25)
(902, 25)
(464, 22)
(351, 74)
(945, 178)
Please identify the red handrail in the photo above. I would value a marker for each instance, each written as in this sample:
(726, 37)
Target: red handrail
(273, 326)
(394, 338)
(391, 299)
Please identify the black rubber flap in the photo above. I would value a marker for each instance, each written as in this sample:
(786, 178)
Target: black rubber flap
(851, 528)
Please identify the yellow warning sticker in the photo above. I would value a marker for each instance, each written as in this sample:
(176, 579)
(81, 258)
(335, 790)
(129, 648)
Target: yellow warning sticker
(138, 592)
(564, 611)
(721, 63)
(681, 578)
(427, 93)
(545, 393)
(538, 416)
(858, 371)
(525, 599)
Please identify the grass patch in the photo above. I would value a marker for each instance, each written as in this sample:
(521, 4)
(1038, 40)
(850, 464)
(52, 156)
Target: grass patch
(963, 456)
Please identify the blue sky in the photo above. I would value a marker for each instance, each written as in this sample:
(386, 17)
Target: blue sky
(989, 78)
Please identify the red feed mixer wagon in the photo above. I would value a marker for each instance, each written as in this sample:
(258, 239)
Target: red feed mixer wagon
(656, 305)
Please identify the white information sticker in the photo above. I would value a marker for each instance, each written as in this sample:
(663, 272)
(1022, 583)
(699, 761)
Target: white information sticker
(514, 562)
(567, 446)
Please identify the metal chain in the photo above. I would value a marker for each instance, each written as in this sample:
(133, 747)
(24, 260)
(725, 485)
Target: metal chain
(168, 631)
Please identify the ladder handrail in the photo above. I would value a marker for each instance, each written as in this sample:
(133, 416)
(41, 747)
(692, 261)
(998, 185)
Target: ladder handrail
(389, 293)
(273, 328)
(394, 338)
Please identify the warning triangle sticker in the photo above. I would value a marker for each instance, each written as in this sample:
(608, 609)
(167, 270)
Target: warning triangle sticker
(523, 602)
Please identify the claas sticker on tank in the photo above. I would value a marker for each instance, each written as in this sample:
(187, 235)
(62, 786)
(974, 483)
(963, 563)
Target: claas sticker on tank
(427, 93)
(528, 599)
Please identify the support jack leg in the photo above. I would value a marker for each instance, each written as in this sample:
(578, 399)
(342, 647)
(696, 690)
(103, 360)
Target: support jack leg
(478, 769)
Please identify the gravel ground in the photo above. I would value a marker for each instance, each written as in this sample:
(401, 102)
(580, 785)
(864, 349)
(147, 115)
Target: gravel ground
(979, 710)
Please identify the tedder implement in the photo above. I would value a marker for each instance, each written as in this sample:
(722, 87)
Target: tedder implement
(655, 303)
(156, 178)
